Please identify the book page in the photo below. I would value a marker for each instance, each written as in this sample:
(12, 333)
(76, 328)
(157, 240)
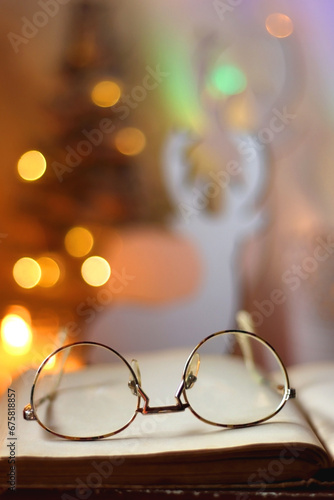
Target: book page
(160, 433)
(315, 383)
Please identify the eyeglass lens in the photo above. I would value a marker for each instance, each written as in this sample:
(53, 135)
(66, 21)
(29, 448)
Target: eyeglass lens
(234, 382)
(74, 399)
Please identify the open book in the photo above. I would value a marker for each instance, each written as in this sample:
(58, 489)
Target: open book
(177, 450)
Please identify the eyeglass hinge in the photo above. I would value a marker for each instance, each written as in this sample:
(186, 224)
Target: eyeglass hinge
(290, 394)
(28, 413)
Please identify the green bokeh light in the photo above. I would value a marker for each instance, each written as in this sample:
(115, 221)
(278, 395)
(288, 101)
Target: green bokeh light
(178, 89)
(228, 79)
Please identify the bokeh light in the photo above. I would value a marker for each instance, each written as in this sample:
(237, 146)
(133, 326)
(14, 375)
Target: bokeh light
(21, 311)
(79, 241)
(50, 272)
(279, 25)
(130, 141)
(27, 272)
(106, 94)
(31, 166)
(95, 271)
(240, 113)
(16, 335)
(228, 79)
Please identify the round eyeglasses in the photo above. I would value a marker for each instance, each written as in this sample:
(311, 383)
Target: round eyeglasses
(230, 379)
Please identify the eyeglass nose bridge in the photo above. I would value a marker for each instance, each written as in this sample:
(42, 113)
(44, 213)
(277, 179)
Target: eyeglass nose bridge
(187, 382)
(146, 409)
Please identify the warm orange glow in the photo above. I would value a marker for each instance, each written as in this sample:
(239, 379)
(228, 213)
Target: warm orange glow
(49, 365)
(31, 166)
(72, 365)
(21, 311)
(130, 141)
(50, 272)
(6, 380)
(106, 94)
(79, 241)
(27, 272)
(16, 335)
(279, 25)
(95, 271)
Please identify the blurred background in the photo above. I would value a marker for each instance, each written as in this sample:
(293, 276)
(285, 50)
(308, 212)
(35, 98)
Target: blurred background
(165, 164)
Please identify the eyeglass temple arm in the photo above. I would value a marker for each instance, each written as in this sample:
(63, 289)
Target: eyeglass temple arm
(28, 411)
(244, 322)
